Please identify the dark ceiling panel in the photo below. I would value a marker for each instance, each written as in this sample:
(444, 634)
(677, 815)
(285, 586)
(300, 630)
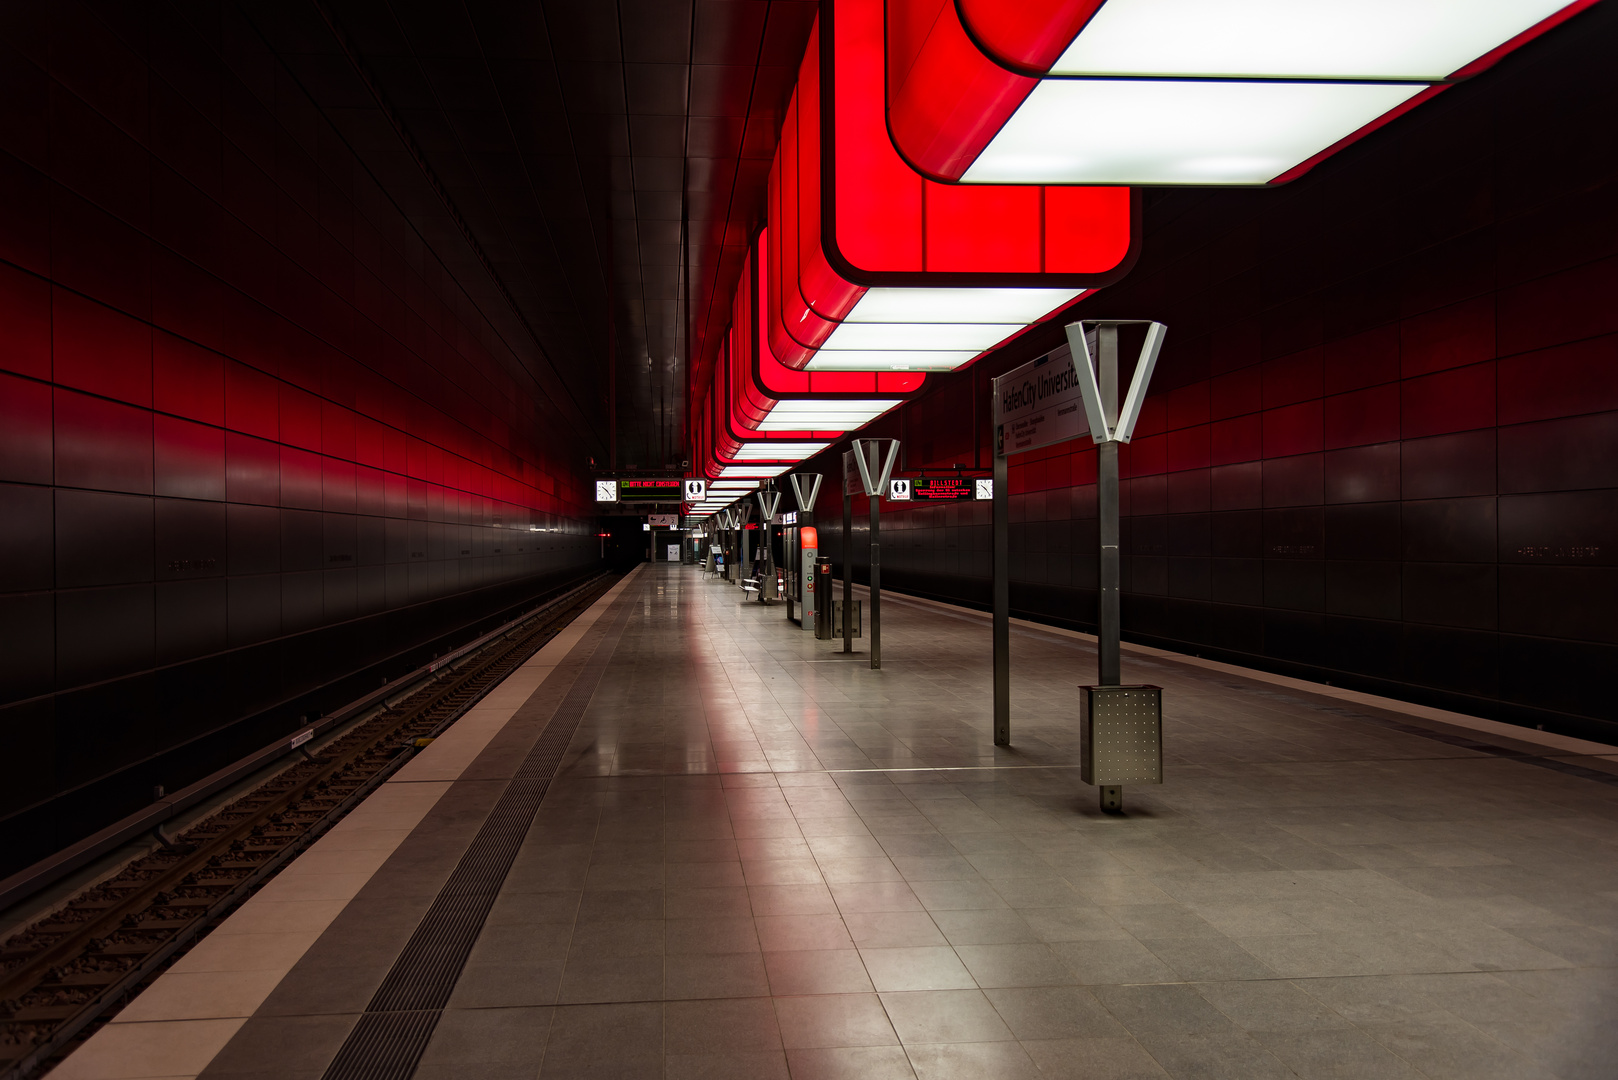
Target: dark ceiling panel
(589, 170)
(656, 31)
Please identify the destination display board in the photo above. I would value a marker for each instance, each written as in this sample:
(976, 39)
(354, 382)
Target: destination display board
(942, 488)
(659, 489)
(939, 488)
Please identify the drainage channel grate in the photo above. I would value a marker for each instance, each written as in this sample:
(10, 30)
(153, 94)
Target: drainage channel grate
(394, 1030)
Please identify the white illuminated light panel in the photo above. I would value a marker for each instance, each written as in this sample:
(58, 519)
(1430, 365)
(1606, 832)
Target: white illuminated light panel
(778, 451)
(1183, 91)
(931, 329)
(1178, 132)
(825, 415)
(1321, 39)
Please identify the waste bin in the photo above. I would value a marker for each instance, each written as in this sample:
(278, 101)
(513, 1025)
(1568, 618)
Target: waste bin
(822, 584)
(1121, 738)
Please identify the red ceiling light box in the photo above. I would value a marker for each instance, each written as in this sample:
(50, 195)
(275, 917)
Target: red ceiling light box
(768, 416)
(878, 268)
(769, 396)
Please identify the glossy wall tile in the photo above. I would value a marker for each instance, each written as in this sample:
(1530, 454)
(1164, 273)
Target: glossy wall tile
(254, 436)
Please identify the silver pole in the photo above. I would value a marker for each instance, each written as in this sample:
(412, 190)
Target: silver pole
(1108, 659)
(876, 561)
(848, 569)
(1002, 596)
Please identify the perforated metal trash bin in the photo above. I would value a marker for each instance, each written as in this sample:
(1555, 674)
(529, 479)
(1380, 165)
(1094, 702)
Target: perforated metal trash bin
(1122, 737)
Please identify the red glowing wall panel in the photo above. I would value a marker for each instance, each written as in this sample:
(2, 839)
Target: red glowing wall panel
(1448, 401)
(1293, 429)
(1238, 439)
(1450, 337)
(26, 451)
(25, 313)
(1363, 359)
(99, 350)
(1290, 379)
(187, 380)
(1563, 380)
(1361, 417)
(1189, 448)
(188, 459)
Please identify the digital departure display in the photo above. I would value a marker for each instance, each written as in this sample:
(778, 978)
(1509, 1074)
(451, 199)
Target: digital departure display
(662, 489)
(942, 488)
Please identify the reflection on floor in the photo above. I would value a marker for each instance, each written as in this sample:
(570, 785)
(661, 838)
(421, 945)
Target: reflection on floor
(762, 859)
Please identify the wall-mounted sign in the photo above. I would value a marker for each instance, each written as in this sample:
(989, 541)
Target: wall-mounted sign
(696, 490)
(898, 490)
(787, 519)
(606, 491)
(663, 521)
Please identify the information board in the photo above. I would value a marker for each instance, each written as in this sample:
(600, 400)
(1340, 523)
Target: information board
(939, 488)
(1039, 404)
(942, 488)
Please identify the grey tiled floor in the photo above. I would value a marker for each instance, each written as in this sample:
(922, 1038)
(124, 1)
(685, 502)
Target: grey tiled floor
(766, 860)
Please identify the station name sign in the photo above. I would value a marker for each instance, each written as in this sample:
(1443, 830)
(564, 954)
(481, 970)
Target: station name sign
(1039, 404)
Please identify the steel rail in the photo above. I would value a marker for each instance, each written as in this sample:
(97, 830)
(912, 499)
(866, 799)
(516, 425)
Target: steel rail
(153, 924)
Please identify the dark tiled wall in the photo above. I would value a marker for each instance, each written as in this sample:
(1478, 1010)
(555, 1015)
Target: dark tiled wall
(253, 437)
(1382, 446)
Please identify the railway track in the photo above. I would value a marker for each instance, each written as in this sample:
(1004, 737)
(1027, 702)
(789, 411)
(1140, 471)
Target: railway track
(72, 970)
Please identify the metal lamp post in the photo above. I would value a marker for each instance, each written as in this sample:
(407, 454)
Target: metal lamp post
(768, 500)
(873, 461)
(1123, 729)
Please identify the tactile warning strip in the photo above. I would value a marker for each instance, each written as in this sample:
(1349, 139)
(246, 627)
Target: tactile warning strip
(393, 1032)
